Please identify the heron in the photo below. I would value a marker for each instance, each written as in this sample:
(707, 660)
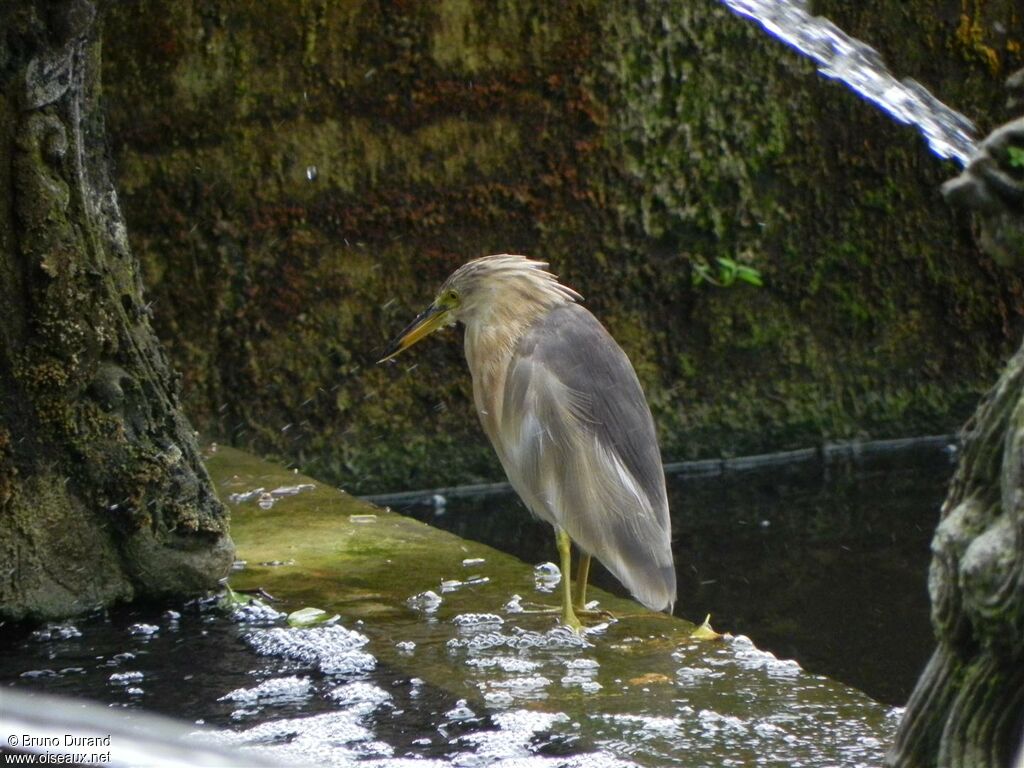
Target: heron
(565, 413)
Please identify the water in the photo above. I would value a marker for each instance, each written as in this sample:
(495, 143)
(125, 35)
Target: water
(472, 676)
(232, 675)
(825, 563)
(949, 133)
(313, 696)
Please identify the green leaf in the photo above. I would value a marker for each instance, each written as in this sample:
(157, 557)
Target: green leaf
(728, 271)
(308, 617)
(749, 275)
(701, 273)
(231, 599)
(728, 268)
(1016, 156)
(704, 631)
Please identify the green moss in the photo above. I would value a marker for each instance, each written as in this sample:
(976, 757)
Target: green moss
(621, 142)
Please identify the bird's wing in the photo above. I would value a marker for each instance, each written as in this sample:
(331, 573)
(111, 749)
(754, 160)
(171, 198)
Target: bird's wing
(579, 446)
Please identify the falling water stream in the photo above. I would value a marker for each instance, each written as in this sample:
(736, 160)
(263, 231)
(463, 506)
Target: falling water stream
(855, 63)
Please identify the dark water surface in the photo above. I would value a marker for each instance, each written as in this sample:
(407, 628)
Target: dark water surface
(185, 663)
(822, 562)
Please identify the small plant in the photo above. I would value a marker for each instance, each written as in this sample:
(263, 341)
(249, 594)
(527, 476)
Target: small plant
(1016, 156)
(728, 272)
(231, 600)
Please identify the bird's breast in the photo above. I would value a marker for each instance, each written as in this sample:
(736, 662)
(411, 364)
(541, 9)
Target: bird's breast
(488, 360)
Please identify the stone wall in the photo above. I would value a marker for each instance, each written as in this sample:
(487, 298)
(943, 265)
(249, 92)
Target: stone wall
(298, 177)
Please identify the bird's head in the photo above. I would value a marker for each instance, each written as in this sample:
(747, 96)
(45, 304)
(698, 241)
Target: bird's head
(489, 287)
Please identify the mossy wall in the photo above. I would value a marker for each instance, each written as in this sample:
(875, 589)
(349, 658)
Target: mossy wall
(298, 177)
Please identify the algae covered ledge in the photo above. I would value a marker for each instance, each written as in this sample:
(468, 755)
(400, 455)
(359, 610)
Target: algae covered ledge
(300, 178)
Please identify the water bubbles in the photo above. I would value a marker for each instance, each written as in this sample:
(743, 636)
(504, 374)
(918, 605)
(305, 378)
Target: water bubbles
(125, 678)
(477, 619)
(712, 721)
(244, 496)
(768, 730)
(558, 638)
(696, 676)
(473, 562)
(361, 696)
(143, 630)
(312, 173)
(291, 490)
(332, 649)
(277, 691)
(514, 605)
(582, 673)
(516, 738)
(645, 728)
(362, 519)
(255, 612)
(330, 739)
(748, 656)
(460, 711)
(783, 667)
(406, 646)
(499, 699)
(523, 684)
(56, 632)
(952, 451)
(266, 499)
(511, 664)
(37, 673)
(585, 682)
(546, 577)
(427, 602)
(451, 585)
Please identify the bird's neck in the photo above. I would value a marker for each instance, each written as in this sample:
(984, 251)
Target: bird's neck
(492, 334)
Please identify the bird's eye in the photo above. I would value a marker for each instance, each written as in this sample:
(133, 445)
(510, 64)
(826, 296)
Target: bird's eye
(451, 297)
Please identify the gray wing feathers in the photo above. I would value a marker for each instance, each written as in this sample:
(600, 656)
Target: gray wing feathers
(579, 446)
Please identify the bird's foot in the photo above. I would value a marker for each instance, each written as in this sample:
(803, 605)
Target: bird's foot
(596, 614)
(571, 620)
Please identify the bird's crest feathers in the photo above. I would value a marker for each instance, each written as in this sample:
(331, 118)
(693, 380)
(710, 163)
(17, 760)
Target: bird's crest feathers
(541, 283)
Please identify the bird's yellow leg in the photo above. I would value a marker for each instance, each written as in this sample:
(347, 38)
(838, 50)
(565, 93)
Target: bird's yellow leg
(582, 574)
(565, 553)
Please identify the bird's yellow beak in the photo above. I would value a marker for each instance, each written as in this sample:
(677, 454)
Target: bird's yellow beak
(426, 322)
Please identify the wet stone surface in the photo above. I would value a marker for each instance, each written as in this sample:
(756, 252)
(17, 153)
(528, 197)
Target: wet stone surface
(473, 681)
